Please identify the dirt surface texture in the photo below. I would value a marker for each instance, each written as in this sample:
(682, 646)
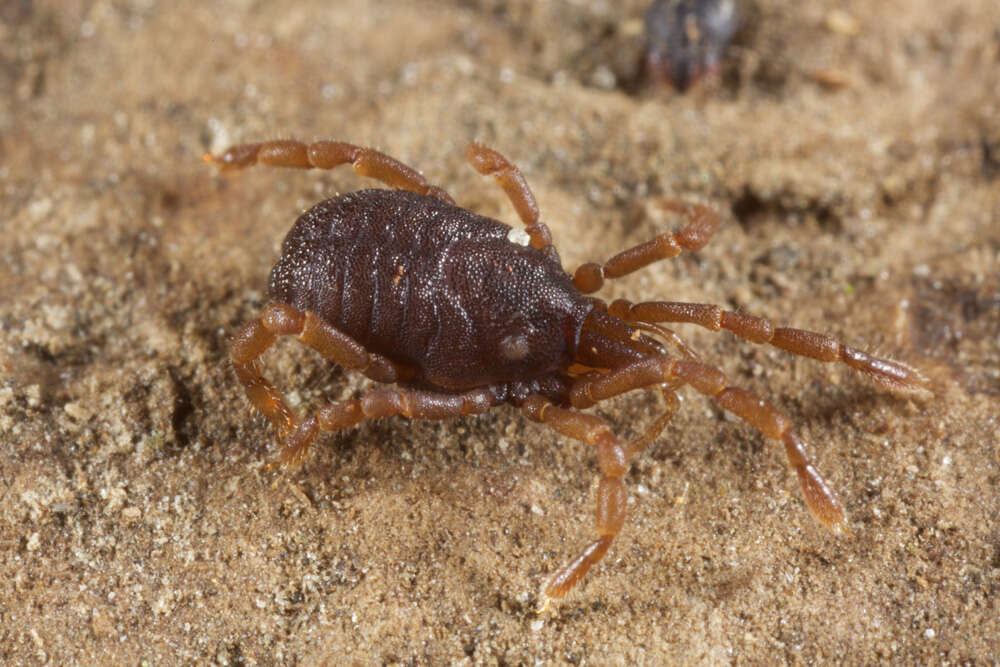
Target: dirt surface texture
(853, 151)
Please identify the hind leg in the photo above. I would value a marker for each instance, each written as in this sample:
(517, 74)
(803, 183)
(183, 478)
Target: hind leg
(379, 403)
(283, 320)
(327, 155)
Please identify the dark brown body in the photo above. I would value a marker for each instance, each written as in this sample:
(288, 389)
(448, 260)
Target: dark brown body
(433, 287)
(456, 313)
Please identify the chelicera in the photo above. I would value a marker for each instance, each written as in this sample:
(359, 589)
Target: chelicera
(461, 313)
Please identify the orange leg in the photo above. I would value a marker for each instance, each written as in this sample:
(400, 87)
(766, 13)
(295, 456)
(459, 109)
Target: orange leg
(491, 163)
(379, 403)
(284, 320)
(702, 224)
(746, 405)
(327, 155)
(613, 458)
(891, 375)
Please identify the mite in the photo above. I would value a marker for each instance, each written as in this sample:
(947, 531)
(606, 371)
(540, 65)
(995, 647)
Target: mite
(686, 39)
(460, 313)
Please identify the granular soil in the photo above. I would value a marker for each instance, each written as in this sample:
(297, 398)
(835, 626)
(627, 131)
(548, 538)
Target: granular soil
(853, 150)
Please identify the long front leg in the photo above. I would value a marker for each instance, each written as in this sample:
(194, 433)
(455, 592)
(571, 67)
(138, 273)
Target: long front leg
(891, 375)
(327, 155)
(613, 459)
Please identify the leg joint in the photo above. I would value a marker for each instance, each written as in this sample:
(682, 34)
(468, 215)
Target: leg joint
(283, 320)
(702, 377)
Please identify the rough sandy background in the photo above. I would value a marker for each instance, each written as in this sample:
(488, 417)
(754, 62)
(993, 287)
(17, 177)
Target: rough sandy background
(136, 520)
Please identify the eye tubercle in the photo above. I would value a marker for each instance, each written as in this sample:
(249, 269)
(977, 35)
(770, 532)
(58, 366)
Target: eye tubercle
(515, 347)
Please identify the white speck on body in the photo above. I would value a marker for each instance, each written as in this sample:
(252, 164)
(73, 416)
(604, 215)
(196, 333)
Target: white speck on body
(518, 236)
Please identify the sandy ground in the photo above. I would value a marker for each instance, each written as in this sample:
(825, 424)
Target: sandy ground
(137, 522)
